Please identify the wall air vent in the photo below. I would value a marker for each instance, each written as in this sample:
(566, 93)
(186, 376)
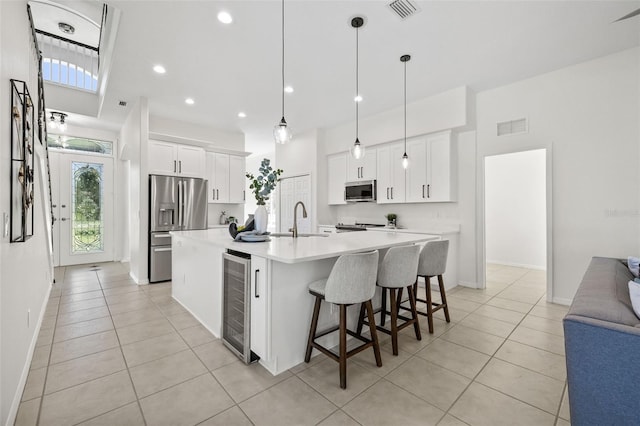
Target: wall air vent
(122, 103)
(511, 127)
(403, 8)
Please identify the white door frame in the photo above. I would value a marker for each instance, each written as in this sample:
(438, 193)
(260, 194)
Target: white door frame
(64, 259)
(481, 240)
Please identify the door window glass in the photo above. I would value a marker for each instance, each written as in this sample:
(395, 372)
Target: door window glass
(87, 207)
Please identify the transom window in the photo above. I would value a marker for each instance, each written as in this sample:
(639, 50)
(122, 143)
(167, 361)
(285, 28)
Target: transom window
(73, 143)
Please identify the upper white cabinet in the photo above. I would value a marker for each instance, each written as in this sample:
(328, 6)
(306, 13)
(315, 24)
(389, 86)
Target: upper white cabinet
(431, 172)
(226, 178)
(166, 158)
(337, 176)
(391, 174)
(237, 179)
(362, 169)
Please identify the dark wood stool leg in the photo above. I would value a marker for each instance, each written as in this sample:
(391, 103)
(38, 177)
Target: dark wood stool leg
(414, 312)
(444, 298)
(427, 284)
(343, 346)
(360, 320)
(394, 321)
(374, 334)
(383, 311)
(399, 300)
(312, 331)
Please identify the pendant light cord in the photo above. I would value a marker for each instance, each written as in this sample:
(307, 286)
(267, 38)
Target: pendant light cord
(283, 59)
(405, 107)
(357, 74)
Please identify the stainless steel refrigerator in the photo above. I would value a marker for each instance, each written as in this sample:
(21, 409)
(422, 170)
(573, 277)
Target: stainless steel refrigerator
(175, 204)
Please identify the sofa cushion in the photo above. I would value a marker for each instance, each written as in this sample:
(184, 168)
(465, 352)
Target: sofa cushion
(634, 265)
(604, 293)
(634, 294)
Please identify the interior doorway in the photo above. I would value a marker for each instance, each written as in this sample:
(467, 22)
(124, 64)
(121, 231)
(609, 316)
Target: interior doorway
(515, 223)
(82, 201)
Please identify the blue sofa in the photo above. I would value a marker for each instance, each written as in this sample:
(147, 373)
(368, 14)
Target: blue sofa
(602, 342)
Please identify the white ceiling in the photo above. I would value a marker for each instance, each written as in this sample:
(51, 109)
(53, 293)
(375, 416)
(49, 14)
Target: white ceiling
(236, 67)
(85, 17)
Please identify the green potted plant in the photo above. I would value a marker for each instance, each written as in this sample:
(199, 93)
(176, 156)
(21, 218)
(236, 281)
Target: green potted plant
(261, 187)
(391, 219)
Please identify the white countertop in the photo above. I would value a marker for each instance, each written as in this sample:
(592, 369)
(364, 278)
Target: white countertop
(433, 229)
(303, 249)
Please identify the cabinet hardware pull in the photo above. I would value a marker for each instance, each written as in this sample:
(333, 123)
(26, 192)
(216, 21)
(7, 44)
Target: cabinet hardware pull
(54, 206)
(213, 196)
(217, 194)
(422, 191)
(255, 284)
(392, 192)
(175, 167)
(387, 193)
(428, 191)
(244, 195)
(180, 166)
(63, 206)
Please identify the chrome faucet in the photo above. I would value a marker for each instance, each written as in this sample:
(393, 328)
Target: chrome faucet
(295, 218)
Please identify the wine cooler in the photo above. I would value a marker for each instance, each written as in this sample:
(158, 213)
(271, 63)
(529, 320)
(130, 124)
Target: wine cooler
(236, 308)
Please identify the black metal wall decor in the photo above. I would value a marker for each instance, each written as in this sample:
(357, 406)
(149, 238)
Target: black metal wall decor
(22, 172)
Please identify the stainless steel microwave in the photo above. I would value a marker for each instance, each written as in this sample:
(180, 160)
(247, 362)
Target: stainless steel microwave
(362, 191)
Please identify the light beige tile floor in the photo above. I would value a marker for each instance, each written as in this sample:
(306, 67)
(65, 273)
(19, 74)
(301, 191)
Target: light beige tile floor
(114, 353)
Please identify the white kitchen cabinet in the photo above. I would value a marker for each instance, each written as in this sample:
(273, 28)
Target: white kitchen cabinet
(363, 169)
(391, 174)
(166, 158)
(337, 176)
(259, 306)
(237, 171)
(218, 176)
(431, 172)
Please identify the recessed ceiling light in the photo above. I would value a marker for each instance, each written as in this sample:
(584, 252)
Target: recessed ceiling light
(358, 98)
(189, 101)
(159, 69)
(225, 17)
(242, 114)
(288, 89)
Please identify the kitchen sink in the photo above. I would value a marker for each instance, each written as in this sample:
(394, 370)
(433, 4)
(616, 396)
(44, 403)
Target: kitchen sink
(290, 235)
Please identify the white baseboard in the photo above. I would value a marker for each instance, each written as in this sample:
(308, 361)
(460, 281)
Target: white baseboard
(15, 404)
(468, 284)
(562, 301)
(518, 265)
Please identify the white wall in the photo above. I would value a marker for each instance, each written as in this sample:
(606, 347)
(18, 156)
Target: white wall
(218, 138)
(587, 115)
(134, 134)
(515, 209)
(25, 274)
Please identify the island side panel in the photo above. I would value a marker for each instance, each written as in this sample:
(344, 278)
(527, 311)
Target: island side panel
(290, 311)
(197, 280)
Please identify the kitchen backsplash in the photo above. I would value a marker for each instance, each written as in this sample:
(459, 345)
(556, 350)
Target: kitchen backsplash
(235, 210)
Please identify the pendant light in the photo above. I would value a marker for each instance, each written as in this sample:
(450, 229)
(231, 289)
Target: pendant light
(405, 158)
(357, 150)
(281, 131)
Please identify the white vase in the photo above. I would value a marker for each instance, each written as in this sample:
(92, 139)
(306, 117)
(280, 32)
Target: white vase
(261, 219)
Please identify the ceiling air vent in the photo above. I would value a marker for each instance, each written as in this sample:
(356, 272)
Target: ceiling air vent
(122, 103)
(403, 8)
(512, 127)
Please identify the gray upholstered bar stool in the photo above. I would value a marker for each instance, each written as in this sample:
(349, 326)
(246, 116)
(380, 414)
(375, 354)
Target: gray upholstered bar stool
(352, 280)
(397, 271)
(433, 263)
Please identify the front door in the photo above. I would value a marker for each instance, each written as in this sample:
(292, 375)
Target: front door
(83, 199)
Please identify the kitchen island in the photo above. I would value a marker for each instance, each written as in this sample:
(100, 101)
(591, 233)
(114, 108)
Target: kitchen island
(281, 270)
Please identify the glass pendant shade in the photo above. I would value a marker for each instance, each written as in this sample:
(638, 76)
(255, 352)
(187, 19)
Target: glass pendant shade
(282, 132)
(405, 160)
(357, 150)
